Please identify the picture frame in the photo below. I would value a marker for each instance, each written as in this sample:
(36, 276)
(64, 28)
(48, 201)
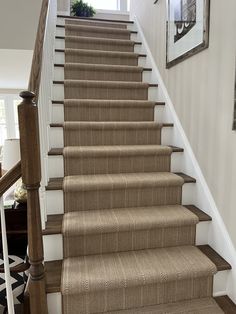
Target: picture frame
(234, 116)
(187, 29)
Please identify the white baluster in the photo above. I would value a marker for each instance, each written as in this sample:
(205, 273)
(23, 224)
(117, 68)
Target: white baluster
(10, 301)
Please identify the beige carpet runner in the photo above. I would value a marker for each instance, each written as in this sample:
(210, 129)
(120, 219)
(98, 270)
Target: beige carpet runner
(129, 244)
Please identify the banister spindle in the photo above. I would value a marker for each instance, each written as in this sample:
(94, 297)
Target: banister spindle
(31, 177)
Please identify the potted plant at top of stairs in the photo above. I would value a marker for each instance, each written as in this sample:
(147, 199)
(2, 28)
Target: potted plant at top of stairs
(81, 8)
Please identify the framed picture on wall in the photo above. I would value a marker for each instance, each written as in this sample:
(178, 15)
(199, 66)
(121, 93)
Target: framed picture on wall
(234, 120)
(187, 29)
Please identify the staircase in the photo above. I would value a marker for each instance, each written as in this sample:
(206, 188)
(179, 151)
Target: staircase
(121, 239)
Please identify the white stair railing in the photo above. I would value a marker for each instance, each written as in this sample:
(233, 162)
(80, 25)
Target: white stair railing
(9, 294)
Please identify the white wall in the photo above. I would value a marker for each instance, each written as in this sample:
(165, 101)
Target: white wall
(15, 68)
(18, 27)
(18, 23)
(63, 7)
(202, 90)
(112, 15)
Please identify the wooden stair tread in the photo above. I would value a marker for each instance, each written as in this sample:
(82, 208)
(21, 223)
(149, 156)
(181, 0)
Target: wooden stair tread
(53, 225)
(141, 55)
(61, 102)
(135, 42)
(62, 65)
(130, 31)
(59, 151)
(219, 261)
(94, 19)
(53, 271)
(54, 222)
(123, 82)
(56, 183)
(60, 125)
(187, 179)
(226, 304)
(198, 212)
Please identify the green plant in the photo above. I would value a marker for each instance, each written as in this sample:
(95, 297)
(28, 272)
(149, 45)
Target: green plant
(81, 8)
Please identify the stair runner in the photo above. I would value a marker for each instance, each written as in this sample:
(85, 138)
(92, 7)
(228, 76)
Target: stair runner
(129, 244)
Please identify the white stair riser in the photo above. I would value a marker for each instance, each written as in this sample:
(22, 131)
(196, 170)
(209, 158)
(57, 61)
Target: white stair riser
(58, 92)
(54, 202)
(60, 59)
(57, 113)
(53, 244)
(60, 44)
(54, 301)
(53, 247)
(59, 75)
(56, 139)
(219, 289)
(61, 21)
(56, 165)
(61, 32)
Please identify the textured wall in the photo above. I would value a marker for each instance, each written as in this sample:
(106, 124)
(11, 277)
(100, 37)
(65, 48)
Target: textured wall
(18, 23)
(63, 6)
(202, 90)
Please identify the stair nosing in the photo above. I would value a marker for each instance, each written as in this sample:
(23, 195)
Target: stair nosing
(59, 151)
(122, 82)
(61, 125)
(104, 39)
(127, 67)
(57, 219)
(119, 30)
(226, 304)
(94, 19)
(141, 55)
(220, 262)
(55, 184)
(157, 103)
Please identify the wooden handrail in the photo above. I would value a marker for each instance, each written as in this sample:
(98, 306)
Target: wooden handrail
(18, 268)
(35, 73)
(9, 178)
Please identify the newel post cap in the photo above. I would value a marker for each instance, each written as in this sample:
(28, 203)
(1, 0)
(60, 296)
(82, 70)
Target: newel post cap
(27, 95)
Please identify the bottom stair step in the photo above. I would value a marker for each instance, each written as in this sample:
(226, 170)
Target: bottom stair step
(197, 306)
(119, 281)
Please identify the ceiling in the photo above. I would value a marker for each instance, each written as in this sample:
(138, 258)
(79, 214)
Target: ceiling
(15, 68)
(18, 23)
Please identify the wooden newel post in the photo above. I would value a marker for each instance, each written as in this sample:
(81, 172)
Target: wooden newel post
(31, 177)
